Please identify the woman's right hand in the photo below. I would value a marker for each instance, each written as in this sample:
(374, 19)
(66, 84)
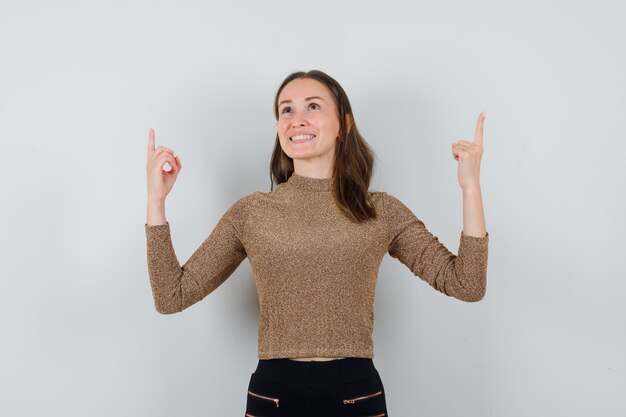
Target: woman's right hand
(160, 182)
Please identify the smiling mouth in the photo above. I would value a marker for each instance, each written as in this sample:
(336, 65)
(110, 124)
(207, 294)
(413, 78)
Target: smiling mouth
(302, 138)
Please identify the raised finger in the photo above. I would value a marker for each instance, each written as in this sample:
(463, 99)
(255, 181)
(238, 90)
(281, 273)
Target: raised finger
(150, 141)
(478, 136)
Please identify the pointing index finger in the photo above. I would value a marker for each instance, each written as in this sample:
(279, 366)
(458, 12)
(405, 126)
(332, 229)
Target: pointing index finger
(478, 136)
(151, 141)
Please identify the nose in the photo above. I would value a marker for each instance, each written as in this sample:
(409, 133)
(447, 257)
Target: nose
(298, 120)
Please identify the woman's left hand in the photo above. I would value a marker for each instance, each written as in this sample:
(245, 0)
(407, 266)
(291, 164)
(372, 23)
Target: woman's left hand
(469, 154)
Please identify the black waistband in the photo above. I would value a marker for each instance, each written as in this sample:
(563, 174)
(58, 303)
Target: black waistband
(287, 371)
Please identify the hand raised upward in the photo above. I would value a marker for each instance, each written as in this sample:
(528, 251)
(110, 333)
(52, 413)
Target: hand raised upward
(160, 182)
(469, 154)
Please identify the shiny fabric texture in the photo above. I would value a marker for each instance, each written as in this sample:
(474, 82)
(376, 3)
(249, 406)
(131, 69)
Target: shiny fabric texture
(314, 269)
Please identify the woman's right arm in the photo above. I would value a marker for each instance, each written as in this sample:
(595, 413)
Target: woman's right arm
(164, 270)
(176, 287)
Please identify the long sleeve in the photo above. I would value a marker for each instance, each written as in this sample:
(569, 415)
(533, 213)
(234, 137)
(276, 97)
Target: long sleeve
(175, 288)
(463, 277)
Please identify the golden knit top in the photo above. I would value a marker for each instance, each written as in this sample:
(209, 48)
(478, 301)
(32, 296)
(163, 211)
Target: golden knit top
(315, 269)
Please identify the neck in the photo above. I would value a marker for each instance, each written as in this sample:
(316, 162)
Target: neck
(313, 170)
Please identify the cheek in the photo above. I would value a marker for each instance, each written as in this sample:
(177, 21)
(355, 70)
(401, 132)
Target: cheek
(281, 128)
(331, 126)
(323, 122)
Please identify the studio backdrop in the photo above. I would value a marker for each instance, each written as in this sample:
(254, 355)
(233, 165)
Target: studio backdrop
(81, 83)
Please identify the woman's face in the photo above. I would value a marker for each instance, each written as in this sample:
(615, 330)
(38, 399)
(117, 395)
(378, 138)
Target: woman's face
(308, 123)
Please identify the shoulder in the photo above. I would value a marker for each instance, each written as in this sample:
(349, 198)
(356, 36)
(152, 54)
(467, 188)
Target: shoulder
(393, 209)
(246, 199)
(386, 200)
(238, 212)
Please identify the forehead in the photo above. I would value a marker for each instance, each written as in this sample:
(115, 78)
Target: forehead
(301, 88)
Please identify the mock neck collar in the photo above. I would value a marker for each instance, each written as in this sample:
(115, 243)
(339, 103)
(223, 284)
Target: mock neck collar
(310, 184)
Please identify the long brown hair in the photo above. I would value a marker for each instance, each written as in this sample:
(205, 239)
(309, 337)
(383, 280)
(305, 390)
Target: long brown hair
(354, 159)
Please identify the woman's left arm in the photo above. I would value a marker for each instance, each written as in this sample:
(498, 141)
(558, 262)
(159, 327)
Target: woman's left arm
(469, 154)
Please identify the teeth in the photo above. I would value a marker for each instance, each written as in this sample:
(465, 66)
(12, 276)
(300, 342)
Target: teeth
(301, 137)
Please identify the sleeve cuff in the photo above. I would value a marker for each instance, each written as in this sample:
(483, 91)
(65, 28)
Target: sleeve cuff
(151, 226)
(486, 237)
(157, 230)
(475, 242)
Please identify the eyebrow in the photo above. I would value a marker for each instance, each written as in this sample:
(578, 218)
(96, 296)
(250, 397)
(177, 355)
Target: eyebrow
(306, 99)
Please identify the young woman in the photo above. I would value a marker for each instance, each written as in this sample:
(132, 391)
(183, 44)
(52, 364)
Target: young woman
(315, 243)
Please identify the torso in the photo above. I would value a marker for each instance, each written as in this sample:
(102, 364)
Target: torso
(315, 359)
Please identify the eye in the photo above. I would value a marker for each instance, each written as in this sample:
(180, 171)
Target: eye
(314, 106)
(285, 109)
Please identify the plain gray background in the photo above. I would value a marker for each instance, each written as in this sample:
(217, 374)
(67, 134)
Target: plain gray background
(82, 82)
